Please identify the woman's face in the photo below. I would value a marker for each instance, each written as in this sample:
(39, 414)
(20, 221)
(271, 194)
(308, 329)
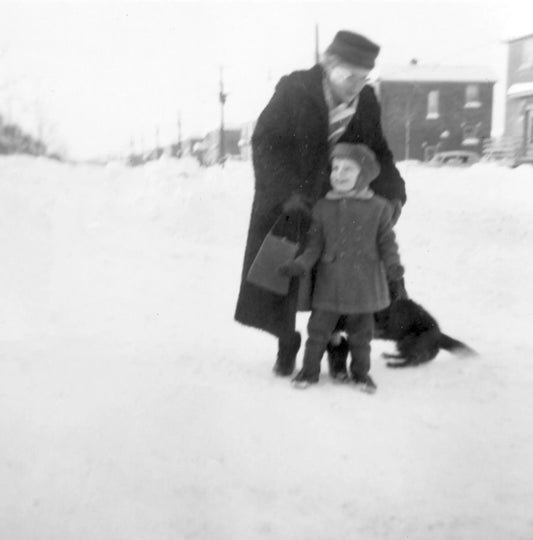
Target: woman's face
(344, 174)
(347, 81)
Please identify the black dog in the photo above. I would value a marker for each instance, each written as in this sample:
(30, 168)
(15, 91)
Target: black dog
(416, 333)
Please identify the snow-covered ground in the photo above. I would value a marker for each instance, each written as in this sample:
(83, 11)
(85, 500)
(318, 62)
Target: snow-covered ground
(132, 407)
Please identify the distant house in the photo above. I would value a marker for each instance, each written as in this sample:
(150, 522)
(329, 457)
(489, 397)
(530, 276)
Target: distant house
(427, 109)
(245, 141)
(188, 145)
(211, 146)
(519, 100)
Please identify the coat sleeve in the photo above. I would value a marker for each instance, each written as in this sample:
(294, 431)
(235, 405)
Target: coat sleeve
(273, 143)
(389, 184)
(387, 245)
(315, 242)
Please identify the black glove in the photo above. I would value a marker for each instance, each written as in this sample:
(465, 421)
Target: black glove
(397, 290)
(291, 269)
(396, 206)
(395, 272)
(297, 203)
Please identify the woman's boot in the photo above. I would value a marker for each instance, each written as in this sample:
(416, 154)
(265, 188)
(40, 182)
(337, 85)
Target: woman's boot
(287, 350)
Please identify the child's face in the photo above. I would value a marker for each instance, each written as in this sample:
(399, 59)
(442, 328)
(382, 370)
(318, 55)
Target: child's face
(344, 174)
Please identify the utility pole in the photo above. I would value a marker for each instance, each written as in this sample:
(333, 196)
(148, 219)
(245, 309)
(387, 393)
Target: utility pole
(157, 142)
(179, 150)
(40, 122)
(317, 48)
(407, 135)
(409, 114)
(222, 98)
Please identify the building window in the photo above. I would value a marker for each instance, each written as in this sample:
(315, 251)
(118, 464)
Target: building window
(433, 104)
(470, 133)
(526, 60)
(472, 97)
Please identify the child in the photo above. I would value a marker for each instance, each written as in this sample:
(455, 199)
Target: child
(352, 239)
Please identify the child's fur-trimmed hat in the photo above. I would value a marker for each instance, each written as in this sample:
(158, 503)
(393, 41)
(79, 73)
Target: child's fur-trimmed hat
(361, 154)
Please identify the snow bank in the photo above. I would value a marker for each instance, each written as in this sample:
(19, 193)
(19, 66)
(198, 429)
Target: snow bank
(135, 408)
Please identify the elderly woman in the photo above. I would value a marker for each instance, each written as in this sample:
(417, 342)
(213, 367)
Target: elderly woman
(308, 114)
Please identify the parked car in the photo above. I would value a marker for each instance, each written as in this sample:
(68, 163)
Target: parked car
(454, 158)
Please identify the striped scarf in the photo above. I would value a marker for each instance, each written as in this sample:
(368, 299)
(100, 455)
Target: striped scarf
(339, 115)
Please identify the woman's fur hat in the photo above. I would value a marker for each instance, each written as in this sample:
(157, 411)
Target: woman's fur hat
(354, 49)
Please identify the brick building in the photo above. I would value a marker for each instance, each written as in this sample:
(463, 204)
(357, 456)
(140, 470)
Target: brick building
(426, 109)
(519, 99)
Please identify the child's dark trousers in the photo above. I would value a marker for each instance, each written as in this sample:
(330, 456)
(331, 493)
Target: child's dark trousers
(359, 327)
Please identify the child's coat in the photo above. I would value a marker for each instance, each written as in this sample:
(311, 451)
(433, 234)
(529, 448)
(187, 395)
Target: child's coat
(353, 242)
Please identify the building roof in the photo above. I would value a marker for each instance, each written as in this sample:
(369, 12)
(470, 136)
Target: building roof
(428, 73)
(519, 37)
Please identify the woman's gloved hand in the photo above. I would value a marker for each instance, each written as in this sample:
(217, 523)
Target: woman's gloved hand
(291, 269)
(297, 203)
(396, 206)
(395, 272)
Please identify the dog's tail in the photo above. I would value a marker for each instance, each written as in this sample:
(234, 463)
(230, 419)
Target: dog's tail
(455, 346)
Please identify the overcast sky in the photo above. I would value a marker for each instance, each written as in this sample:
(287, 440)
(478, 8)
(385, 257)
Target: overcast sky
(96, 74)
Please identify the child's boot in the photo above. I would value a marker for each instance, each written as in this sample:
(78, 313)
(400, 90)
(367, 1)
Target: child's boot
(365, 383)
(360, 364)
(310, 372)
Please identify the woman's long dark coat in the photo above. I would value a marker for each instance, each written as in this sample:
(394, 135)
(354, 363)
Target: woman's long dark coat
(290, 155)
